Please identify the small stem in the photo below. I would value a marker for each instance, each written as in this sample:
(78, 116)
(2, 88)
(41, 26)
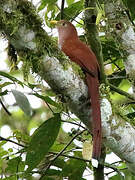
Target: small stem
(59, 154)
(128, 14)
(124, 93)
(99, 172)
(72, 157)
(4, 107)
(49, 107)
(8, 140)
(62, 8)
(92, 36)
(74, 124)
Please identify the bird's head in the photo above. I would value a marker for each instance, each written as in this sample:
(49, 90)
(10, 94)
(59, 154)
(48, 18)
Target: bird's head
(65, 29)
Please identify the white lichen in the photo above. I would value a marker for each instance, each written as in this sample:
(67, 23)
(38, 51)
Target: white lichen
(106, 113)
(130, 64)
(66, 79)
(128, 38)
(9, 7)
(129, 34)
(26, 38)
(29, 35)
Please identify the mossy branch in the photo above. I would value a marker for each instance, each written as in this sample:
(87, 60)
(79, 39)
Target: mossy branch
(39, 52)
(23, 28)
(92, 35)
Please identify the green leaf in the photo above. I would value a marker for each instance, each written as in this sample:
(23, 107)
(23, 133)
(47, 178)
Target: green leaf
(50, 13)
(47, 99)
(42, 140)
(5, 84)
(128, 175)
(117, 177)
(2, 143)
(15, 165)
(74, 169)
(3, 152)
(4, 74)
(124, 85)
(22, 102)
(53, 172)
(71, 11)
(12, 177)
(42, 6)
(59, 162)
(32, 86)
(45, 2)
(69, 2)
(3, 93)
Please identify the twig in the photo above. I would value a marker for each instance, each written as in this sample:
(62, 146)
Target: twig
(8, 140)
(59, 154)
(128, 14)
(62, 8)
(128, 103)
(113, 62)
(99, 171)
(115, 169)
(117, 77)
(124, 93)
(117, 66)
(4, 107)
(89, 161)
(116, 162)
(74, 124)
(72, 157)
(49, 107)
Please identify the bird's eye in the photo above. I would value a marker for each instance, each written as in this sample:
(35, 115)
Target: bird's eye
(63, 24)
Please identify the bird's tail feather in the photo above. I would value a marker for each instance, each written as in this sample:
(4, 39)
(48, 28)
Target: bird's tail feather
(93, 89)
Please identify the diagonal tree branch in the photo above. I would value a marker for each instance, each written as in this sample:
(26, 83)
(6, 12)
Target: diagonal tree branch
(23, 28)
(90, 16)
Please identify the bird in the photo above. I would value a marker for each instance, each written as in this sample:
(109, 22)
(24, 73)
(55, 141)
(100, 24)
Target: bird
(80, 53)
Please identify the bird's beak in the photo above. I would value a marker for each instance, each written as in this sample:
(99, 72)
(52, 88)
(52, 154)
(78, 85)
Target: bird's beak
(54, 22)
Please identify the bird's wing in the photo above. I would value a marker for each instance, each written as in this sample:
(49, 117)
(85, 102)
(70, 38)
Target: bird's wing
(82, 55)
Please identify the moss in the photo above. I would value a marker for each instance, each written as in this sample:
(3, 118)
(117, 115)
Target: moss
(77, 69)
(23, 14)
(92, 34)
(119, 113)
(104, 91)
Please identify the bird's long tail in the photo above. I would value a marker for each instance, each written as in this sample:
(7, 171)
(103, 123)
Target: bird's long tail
(93, 89)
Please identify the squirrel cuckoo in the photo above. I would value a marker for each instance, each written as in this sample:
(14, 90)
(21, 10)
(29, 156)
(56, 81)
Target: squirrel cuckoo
(81, 54)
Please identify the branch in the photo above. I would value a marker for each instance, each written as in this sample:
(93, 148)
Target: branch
(8, 140)
(92, 34)
(62, 8)
(79, 125)
(124, 93)
(4, 107)
(89, 161)
(23, 28)
(99, 172)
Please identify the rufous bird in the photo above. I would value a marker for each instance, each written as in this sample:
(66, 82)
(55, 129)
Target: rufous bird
(81, 54)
